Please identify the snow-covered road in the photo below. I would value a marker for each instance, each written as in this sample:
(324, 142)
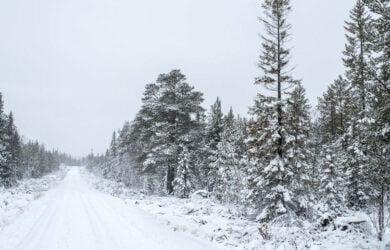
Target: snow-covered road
(74, 216)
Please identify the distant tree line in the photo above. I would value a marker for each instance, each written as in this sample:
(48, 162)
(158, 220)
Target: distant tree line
(280, 162)
(20, 159)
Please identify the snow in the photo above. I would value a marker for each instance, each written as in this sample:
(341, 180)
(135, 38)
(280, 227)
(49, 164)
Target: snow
(73, 215)
(225, 225)
(13, 201)
(87, 212)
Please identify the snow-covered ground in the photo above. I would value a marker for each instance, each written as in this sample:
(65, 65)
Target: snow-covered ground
(223, 225)
(73, 215)
(15, 200)
(87, 212)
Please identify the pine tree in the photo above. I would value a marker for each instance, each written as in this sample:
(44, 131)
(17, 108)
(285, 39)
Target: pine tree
(140, 138)
(177, 117)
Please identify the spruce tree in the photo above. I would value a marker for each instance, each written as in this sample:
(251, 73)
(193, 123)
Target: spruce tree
(14, 144)
(228, 183)
(271, 175)
(229, 121)
(184, 180)
(357, 54)
(274, 60)
(214, 128)
(299, 154)
(6, 173)
(334, 111)
(378, 133)
(330, 192)
(335, 115)
(113, 158)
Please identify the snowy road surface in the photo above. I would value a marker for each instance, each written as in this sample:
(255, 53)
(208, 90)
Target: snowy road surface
(74, 216)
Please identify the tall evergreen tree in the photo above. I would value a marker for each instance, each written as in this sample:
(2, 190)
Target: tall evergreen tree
(214, 128)
(335, 115)
(357, 53)
(271, 175)
(274, 60)
(142, 131)
(298, 145)
(356, 59)
(177, 118)
(378, 133)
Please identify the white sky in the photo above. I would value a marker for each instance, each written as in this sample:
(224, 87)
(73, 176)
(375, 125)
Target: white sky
(72, 71)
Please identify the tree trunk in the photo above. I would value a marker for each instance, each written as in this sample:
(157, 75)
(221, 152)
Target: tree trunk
(381, 214)
(280, 123)
(170, 178)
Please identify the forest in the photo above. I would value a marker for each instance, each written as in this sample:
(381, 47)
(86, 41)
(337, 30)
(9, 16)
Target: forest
(284, 162)
(280, 163)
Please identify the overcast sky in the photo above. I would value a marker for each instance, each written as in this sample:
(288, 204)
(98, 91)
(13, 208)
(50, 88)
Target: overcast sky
(72, 71)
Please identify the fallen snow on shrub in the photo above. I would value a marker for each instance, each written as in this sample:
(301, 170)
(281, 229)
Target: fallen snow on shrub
(224, 225)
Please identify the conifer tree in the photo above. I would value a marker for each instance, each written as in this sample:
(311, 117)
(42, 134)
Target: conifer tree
(228, 183)
(113, 158)
(14, 144)
(177, 118)
(334, 111)
(229, 121)
(377, 137)
(142, 131)
(298, 145)
(183, 183)
(5, 153)
(214, 128)
(268, 179)
(274, 60)
(335, 115)
(270, 174)
(357, 53)
(330, 189)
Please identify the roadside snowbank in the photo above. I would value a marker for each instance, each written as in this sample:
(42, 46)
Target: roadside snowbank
(14, 200)
(223, 225)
